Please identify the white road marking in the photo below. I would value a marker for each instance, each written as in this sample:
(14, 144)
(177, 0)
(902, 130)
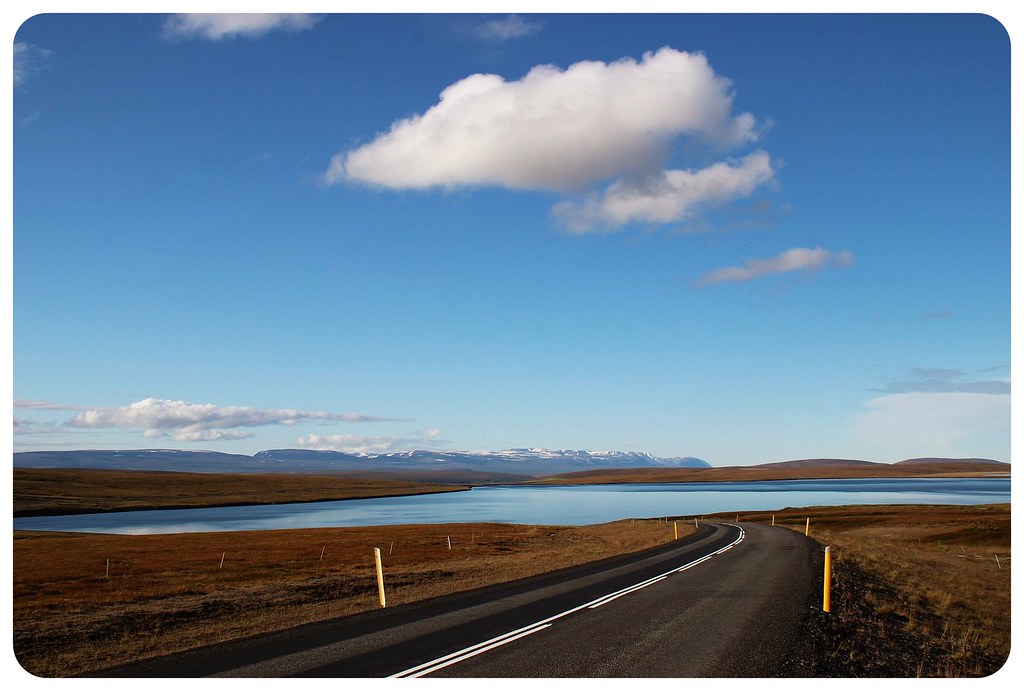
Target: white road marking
(490, 644)
(475, 650)
(608, 598)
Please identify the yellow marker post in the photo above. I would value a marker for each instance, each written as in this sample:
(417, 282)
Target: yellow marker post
(380, 577)
(826, 603)
(773, 519)
(807, 530)
(675, 529)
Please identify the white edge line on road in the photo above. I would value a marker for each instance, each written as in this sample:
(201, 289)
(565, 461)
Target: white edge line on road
(477, 652)
(465, 653)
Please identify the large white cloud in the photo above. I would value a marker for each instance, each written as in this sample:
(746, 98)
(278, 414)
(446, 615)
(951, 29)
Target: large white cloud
(201, 421)
(249, 25)
(796, 259)
(554, 129)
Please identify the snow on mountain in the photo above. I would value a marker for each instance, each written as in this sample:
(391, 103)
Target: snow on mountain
(532, 462)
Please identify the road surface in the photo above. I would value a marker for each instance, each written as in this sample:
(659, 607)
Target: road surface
(727, 601)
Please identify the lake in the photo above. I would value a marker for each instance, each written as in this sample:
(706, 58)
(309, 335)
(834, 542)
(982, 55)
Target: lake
(541, 505)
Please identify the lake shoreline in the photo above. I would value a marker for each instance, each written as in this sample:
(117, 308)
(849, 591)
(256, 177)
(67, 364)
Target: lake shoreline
(43, 513)
(102, 491)
(569, 505)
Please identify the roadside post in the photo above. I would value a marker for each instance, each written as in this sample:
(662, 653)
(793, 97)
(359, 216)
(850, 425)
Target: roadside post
(675, 530)
(807, 529)
(773, 519)
(380, 577)
(826, 602)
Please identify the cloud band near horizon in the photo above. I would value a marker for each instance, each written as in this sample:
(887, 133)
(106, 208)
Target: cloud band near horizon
(202, 421)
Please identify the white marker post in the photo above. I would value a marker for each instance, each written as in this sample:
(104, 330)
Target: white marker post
(449, 542)
(380, 577)
(222, 559)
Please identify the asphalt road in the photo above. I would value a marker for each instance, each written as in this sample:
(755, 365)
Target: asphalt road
(725, 602)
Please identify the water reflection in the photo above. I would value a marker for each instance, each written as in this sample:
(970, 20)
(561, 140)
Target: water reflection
(556, 505)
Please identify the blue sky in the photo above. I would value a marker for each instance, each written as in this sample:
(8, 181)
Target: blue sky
(746, 238)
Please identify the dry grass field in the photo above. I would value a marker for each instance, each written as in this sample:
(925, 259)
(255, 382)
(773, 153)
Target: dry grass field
(46, 491)
(916, 590)
(169, 592)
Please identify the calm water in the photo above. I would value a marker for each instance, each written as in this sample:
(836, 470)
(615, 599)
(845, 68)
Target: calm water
(577, 505)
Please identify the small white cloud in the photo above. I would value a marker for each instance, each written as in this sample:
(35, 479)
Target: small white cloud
(200, 421)
(356, 443)
(215, 27)
(670, 196)
(796, 259)
(553, 130)
(507, 28)
(351, 443)
(29, 59)
(201, 435)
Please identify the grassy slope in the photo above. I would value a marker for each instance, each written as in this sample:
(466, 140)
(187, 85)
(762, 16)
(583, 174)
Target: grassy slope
(916, 590)
(40, 491)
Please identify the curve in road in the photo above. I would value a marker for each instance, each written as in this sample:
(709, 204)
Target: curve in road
(727, 601)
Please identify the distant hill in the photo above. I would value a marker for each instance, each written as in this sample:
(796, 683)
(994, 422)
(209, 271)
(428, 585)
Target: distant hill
(815, 463)
(846, 462)
(441, 466)
(980, 461)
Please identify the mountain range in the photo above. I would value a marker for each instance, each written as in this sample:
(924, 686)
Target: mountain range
(463, 467)
(509, 464)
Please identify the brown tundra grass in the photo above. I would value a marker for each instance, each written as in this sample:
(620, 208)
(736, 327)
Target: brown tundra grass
(167, 593)
(934, 581)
